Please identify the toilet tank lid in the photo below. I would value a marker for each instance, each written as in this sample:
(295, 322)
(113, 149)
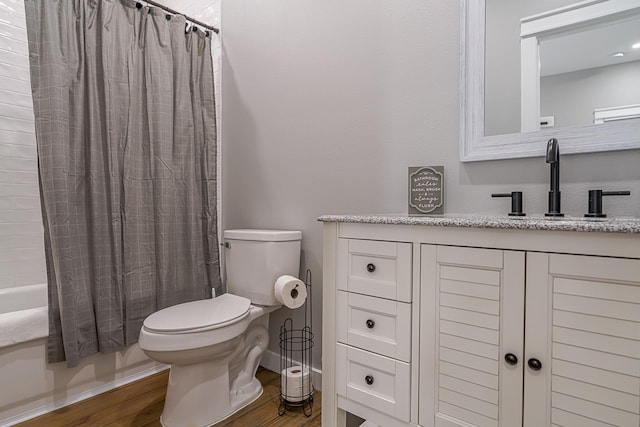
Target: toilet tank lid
(263, 235)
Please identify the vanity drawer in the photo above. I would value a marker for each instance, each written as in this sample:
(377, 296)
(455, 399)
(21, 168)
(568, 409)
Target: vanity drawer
(377, 268)
(375, 324)
(379, 382)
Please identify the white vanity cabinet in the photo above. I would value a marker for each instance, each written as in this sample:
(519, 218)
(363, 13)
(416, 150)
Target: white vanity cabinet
(373, 350)
(583, 323)
(578, 360)
(471, 316)
(480, 327)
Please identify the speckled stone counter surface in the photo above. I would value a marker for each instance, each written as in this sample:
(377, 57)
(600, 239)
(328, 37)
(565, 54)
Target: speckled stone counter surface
(607, 225)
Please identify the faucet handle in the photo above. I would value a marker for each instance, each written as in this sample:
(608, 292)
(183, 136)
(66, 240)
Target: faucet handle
(516, 202)
(595, 201)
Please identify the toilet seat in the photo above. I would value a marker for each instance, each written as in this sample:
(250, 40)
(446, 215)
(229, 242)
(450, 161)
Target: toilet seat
(201, 315)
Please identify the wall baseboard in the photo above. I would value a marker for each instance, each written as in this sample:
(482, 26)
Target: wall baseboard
(69, 400)
(271, 361)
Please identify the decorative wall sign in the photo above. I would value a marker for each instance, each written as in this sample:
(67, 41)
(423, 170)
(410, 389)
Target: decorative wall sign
(426, 190)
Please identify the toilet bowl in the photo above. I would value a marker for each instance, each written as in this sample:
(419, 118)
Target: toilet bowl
(211, 345)
(214, 346)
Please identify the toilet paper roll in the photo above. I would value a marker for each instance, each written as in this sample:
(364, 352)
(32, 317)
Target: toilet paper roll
(294, 383)
(290, 291)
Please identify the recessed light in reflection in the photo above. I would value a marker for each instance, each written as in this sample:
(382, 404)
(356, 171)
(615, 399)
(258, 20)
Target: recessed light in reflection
(617, 54)
(636, 45)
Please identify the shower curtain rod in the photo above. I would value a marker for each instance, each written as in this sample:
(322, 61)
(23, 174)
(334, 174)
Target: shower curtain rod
(175, 12)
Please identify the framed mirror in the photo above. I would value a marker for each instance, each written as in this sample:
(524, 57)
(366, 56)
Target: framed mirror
(507, 106)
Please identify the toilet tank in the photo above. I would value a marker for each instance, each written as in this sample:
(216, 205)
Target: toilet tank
(254, 259)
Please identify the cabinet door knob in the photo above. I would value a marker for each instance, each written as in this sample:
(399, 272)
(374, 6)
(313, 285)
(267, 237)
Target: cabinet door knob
(371, 268)
(370, 323)
(534, 364)
(368, 379)
(511, 359)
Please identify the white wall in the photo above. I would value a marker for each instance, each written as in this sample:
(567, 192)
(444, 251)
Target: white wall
(21, 242)
(326, 104)
(29, 384)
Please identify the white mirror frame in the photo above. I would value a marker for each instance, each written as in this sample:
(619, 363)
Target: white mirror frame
(475, 146)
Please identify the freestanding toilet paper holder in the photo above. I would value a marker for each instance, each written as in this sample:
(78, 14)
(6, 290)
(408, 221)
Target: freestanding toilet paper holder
(296, 388)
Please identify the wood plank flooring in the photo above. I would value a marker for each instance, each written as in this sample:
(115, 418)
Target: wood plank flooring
(139, 404)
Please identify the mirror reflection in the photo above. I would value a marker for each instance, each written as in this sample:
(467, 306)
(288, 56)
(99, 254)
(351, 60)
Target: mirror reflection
(591, 76)
(587, 74)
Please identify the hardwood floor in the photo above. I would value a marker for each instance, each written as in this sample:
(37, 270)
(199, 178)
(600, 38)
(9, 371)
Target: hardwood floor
(139, 404)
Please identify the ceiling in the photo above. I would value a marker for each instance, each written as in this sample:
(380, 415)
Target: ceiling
(591, 48)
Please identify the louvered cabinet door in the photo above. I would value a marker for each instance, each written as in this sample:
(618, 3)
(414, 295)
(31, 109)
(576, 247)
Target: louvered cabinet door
(583, 326)
(471, 318)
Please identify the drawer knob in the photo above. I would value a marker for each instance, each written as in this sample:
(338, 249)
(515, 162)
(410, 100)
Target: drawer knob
(368, 379)
(370, 323)
(371, 268)
(534, 364)
(511, 359)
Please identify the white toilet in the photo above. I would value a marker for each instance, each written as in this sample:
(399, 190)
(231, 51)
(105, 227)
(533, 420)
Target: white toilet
(214, 346)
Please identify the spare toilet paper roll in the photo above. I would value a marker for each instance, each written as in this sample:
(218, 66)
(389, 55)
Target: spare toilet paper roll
(294, 383)
(290, 291)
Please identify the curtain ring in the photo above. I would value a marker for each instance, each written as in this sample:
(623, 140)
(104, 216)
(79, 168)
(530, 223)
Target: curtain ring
(138, 5)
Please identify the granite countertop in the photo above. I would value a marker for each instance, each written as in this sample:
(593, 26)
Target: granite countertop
(607, 225)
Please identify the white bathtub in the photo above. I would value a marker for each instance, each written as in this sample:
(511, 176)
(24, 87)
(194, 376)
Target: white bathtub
(23, 314)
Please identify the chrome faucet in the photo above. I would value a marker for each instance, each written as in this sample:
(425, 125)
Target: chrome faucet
(553, 158)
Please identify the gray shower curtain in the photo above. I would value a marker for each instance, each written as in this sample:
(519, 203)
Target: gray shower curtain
(126, 133)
